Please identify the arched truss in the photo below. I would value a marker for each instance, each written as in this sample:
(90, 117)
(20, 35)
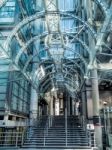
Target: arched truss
(73, 61)
(79, 56)
(63, 71)
(80, 41)
(72, 70)
(103, 5)
(23, 49)
(48, 87)
(42, 14)
(66, 70)
(66, 66)
(75, 64)
(48, 81)
(52, 66)
(48, 84)
(39, 15)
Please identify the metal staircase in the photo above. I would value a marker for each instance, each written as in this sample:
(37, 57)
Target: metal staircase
(58, 132)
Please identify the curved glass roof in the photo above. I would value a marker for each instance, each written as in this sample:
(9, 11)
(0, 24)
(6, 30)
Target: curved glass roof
(60, 42)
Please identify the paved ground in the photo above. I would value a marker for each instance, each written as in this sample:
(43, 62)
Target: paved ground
(36, 149)
(32, 149)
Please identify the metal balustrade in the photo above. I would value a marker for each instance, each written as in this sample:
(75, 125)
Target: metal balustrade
(57, 132)
(14, 139)
(51, 131)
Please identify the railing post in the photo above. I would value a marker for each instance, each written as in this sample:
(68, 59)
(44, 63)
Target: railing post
(49, 122)
(90, 138)
(5, 139)
(16, 139)
(46, 129)
(94, 139)
(66, 124)
(22, 140)
(27, 132)
(44, 137)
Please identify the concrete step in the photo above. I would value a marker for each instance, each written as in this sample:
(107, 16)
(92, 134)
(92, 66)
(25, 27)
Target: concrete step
(59, 128)
(76, 136)
(61, 136)
(57, 148)
(55, 143)
(58, 138)
(57, 131)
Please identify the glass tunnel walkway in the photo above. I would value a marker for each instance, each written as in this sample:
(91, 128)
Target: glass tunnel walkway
(56, 74)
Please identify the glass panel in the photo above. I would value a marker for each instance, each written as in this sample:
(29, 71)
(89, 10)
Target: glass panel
(2, 104)
(2, 89)
(14, 102)
(2, 96)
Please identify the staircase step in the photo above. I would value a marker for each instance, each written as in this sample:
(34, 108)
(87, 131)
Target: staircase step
(59, 128)
(59, 137)
(56, 137)
(58, 147)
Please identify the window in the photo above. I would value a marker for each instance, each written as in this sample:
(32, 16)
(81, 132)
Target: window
(2, 104)
(2, 96)
(7, 12)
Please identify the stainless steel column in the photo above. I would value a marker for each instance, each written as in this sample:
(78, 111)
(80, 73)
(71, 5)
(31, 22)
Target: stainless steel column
(96, 107)
(33, 106)
(73, 107)
(84, 102)
(51, 107)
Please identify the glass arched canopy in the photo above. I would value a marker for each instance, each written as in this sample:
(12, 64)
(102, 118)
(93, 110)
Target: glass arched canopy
(57, 42)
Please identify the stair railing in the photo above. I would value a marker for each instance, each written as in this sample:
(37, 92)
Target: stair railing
(12, 139)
